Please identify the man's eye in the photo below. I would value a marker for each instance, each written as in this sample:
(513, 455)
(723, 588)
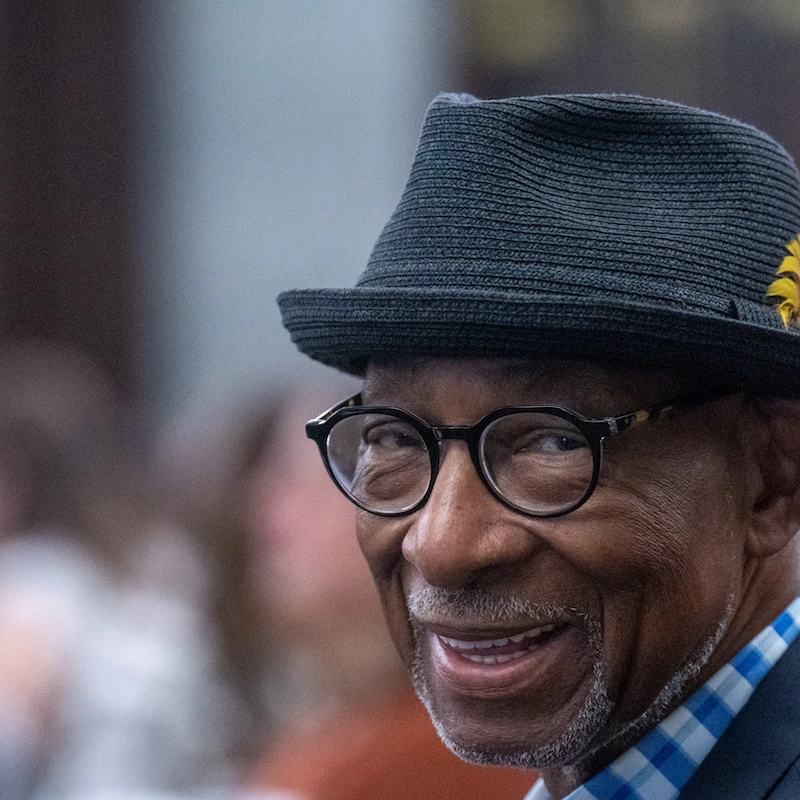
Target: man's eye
(562, 442)
(547, 441)
(391, 437)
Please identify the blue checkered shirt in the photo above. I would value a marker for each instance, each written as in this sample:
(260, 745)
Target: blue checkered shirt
(660, 765)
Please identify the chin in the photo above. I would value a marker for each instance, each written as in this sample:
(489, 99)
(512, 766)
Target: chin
(475, 743)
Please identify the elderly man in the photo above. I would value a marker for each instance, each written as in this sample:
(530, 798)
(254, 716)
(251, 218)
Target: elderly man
(576, 454)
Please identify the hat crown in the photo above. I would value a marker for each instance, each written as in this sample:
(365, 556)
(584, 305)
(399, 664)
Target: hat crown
(600, 195)
(610, 228)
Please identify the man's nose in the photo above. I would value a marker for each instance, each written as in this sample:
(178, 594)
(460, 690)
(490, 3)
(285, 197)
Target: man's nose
(463, 532)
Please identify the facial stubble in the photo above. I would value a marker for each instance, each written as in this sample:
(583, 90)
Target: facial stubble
(591, 728)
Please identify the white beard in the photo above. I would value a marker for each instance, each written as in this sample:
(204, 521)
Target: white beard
(591, 728)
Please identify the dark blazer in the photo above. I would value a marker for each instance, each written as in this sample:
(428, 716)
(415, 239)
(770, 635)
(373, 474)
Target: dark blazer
(758, 757)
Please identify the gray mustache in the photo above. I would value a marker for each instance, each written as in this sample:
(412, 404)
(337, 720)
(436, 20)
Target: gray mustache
(478, 604)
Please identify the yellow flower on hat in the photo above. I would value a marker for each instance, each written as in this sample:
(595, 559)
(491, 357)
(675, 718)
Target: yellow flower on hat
(787, 286)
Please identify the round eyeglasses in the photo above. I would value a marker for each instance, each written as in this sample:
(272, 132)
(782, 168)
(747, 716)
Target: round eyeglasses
(542, 461)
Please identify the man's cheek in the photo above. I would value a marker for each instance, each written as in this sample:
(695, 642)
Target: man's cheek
(381, 540)
(396, 613)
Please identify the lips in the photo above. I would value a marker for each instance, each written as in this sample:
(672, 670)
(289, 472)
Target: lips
(500, 662)
(501, 650)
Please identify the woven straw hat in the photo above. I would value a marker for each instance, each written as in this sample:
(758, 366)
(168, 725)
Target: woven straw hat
(610, 228)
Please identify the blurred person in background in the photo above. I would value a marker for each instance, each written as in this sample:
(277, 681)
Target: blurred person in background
(108, 684)
(339, 718)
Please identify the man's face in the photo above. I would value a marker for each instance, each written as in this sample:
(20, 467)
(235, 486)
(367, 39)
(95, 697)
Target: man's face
(540, 641)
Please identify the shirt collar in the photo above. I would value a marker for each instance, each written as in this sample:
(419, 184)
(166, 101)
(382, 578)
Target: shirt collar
(660, 765)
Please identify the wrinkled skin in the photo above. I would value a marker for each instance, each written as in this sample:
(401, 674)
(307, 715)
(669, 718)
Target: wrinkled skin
(682, 554)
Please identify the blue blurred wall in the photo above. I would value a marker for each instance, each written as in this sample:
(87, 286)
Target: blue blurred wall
(277, 139)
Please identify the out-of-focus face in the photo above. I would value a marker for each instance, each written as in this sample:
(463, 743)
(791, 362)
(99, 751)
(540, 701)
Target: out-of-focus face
(305, 561)
(538, 641)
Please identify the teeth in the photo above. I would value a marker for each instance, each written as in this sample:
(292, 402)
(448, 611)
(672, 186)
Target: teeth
(458, 644)
(495, 659)
(491, 643)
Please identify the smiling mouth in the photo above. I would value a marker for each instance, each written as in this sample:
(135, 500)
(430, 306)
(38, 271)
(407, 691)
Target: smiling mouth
(502, 650)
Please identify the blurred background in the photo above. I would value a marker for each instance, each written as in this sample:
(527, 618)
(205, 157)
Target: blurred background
(170, 165)
(166, 168)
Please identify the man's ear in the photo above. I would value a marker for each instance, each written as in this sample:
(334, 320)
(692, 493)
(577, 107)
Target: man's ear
(776, 454)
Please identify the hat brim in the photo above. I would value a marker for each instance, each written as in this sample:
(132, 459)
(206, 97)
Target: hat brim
(348, 328)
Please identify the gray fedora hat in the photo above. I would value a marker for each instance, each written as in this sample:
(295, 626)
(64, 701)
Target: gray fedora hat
(610, 228)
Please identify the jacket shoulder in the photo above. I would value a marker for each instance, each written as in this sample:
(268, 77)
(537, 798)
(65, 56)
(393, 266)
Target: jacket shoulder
(758, 756)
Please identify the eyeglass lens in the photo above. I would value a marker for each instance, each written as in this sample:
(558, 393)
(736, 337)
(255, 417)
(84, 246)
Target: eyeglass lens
(537, 462)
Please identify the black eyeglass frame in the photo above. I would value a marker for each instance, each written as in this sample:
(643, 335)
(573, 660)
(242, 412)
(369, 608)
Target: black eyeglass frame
(596, 432)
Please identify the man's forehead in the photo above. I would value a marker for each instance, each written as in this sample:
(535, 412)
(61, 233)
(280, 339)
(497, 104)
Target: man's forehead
(545, 380)
(397, 373)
